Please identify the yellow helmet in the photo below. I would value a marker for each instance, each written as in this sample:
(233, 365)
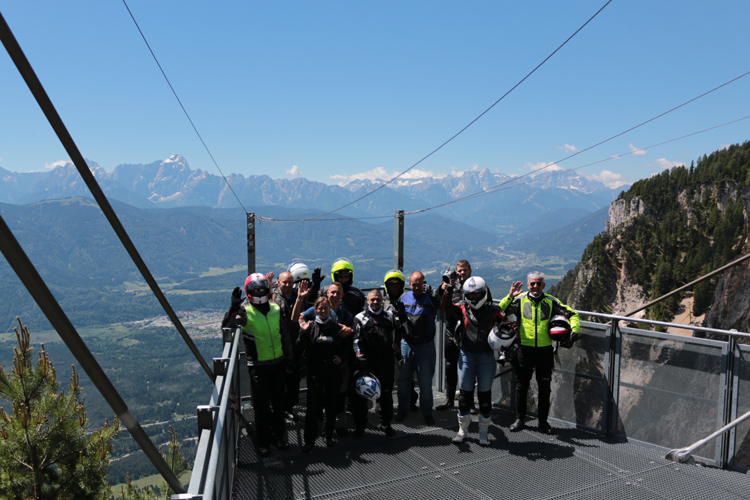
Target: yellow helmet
(394, 274)
(341, 264)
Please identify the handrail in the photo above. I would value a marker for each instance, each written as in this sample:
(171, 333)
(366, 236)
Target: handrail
(221, 419)
(730, 333)
(685, 455)
(212, 477)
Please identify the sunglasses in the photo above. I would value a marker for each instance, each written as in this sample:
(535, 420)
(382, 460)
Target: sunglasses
(536, 283)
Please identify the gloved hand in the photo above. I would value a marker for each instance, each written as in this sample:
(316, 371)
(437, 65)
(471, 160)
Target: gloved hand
(567, 344)
(288, 367)
(401, 312)
(501, 359)
(317, 279)
(236, 298)
(240, 319)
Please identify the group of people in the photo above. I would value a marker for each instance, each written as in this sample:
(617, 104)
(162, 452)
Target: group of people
(349, 347)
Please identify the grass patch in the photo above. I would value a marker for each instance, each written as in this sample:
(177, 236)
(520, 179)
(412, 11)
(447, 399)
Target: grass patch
(155, 480)
(218, 271)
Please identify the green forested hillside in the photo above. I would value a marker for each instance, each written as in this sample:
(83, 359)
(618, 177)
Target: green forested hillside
(86, 268)
(694, 223)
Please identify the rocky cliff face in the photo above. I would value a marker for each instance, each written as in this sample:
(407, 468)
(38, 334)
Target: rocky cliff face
(731, 303)
(622, 211)
(606, 279)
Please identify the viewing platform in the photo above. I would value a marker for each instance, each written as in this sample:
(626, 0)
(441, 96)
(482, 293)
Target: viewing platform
(421, 462)
(622, 399)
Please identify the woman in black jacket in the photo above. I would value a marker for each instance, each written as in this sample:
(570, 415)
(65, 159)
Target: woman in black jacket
(320, 340)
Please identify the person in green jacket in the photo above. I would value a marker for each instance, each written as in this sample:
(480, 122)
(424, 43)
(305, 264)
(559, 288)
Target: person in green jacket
(533, 311)
(268, 350)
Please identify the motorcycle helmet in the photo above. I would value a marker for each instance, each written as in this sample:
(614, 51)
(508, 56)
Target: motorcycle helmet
(299, 271)
(342, 264)
(501, 336)
(394, 277)
(257, 288)
(368, 386)
(559, 328)
(475, 292)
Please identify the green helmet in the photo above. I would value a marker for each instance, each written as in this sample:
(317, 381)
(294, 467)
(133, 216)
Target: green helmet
(394, 274)
(341, 264)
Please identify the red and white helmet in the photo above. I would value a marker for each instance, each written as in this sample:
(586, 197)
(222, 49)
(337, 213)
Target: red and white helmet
(257, 288)
(559, 328)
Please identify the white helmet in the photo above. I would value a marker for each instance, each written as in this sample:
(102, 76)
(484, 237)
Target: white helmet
(502, 335)
(299, 271)
(368, 386)
(559, 328)
(473, 285)
(257, 288)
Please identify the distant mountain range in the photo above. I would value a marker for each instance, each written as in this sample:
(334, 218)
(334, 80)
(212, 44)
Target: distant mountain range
(186, 221)
(516, 205)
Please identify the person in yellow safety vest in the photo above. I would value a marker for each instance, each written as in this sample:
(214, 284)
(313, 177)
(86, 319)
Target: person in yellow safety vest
(268, 350)
(534, 310)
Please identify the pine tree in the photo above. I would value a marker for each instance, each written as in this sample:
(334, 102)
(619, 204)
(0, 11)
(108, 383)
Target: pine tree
(175, 461)
(46, 450)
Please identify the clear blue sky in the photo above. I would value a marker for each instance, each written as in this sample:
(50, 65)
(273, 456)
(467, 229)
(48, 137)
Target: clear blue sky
(332, 89)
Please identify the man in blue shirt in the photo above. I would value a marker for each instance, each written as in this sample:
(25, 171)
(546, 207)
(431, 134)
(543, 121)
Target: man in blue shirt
(421, 304)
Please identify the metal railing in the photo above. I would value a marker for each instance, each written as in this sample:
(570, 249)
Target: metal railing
(660, 389)
(215, 463)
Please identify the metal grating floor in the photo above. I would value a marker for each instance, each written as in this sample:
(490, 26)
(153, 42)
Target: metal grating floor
(421, 462)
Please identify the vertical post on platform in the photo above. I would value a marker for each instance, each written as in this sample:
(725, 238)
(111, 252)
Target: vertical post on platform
(250, 243)
(399, 247)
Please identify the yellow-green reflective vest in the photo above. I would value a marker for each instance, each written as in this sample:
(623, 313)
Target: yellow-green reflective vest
(533, 317)
(266, 330)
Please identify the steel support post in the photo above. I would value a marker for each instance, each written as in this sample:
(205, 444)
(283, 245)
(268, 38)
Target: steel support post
(250, 243)
(398, 252)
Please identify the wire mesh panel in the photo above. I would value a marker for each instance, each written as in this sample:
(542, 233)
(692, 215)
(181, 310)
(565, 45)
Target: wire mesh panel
(670, 389)
(742, 432)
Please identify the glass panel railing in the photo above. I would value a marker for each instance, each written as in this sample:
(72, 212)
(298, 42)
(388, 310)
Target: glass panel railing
(741, 435)
(579, 383)
(670, 389)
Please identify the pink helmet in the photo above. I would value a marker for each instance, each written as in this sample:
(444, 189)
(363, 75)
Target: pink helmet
(257, 288)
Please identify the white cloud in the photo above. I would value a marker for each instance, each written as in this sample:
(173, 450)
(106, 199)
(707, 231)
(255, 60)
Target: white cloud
(294, 171)
(543, 167)
(56, 164)
(721, 148)
(637, 151)
(610, 179)
(380, 174)
(664, 163)
(568, 148)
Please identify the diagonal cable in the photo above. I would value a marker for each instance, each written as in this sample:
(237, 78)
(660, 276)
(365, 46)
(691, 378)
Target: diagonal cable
(471, 122)
(37, 90)
(503, 185)
(183, 107)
